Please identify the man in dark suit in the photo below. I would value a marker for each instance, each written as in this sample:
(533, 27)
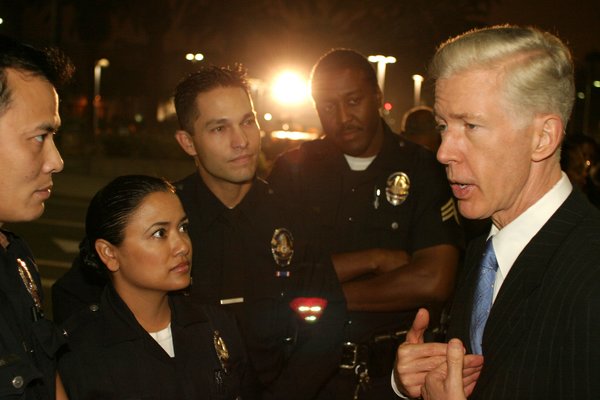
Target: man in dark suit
(503, 98)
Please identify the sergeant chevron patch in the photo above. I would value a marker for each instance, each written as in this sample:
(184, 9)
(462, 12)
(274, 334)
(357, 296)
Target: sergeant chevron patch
(449, 211)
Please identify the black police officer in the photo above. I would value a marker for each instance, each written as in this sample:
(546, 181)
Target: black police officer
(385, 211)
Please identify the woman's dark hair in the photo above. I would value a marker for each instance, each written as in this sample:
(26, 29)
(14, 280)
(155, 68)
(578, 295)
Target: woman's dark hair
(110, 209)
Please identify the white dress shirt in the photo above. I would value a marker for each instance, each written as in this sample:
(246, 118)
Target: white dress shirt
(510, 241)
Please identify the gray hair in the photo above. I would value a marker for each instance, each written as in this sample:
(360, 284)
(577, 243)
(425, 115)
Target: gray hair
(537, 66)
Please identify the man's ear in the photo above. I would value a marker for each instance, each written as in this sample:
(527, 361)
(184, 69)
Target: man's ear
(107, 253)
(548, 137)
(186, 142)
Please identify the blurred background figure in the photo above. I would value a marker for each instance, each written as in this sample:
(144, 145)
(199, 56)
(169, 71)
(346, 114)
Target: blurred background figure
(418, 126)
(579, 159)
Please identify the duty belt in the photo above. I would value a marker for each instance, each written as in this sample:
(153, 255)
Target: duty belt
(358, 358)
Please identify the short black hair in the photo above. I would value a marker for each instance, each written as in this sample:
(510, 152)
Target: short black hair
(204, 80)
(49, 63)
(340, 59)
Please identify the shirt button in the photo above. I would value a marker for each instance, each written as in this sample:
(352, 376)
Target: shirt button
(94, 307)
(394, 225)
(350, 219)
(17, 382)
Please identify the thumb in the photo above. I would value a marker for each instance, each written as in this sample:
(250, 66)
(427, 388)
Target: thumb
(455, 359)
(417, 330)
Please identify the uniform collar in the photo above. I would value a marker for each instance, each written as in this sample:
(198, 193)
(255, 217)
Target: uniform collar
(120, 325)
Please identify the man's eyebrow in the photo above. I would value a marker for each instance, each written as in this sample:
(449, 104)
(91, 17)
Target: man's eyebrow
(48, 127)
(216, 121)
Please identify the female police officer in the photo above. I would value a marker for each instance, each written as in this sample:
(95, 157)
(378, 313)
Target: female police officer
(144, 339)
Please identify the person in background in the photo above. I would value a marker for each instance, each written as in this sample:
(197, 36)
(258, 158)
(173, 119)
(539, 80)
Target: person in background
(580, 161)
(385, 213)
(527, 302)
(145, 339)
(29, 119)
(253, 254)
(418, 126)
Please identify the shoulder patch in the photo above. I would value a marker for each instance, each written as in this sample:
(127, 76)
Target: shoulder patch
(448, 211)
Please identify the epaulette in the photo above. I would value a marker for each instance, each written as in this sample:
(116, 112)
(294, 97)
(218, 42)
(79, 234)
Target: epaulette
(80, 319)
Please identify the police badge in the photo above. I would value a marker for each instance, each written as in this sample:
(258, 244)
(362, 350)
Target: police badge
(221, 350)
(282, 248)
(397, 188)
(32, 289)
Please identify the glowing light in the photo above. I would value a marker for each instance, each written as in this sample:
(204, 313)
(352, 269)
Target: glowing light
(268, 116)
(387, 106)
(294, 135)
(418, 80)
(596, 84)
(194, 56)
(382, 59)
(309, 308)
(103, 63)
(1, 21)
(290, 88)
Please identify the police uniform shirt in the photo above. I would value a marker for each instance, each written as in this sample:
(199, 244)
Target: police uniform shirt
(28, 342)
(233, 265)
(111, 356)
(354, 213)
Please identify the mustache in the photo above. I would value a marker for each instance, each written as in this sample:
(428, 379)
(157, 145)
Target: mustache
(350, 127)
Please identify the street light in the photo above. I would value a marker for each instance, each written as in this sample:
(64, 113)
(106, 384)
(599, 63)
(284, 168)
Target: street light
(381, 61)
(101, 63)
(418, 80)
(194, 57)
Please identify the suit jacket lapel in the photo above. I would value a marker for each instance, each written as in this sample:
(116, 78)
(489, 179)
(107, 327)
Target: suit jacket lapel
(515, 300)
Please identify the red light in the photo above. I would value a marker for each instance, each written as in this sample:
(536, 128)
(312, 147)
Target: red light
(387, 106)
(309, 308)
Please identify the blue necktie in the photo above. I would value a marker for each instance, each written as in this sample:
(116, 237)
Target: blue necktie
(482, 299)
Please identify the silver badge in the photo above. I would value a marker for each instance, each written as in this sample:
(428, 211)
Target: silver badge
(397, 188)
(282, 246)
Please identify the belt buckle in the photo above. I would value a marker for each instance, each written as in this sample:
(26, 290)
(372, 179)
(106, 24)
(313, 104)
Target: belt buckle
(349, 355)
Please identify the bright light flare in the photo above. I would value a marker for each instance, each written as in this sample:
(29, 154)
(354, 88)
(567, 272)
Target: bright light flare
(290, 88)
(309, 309)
